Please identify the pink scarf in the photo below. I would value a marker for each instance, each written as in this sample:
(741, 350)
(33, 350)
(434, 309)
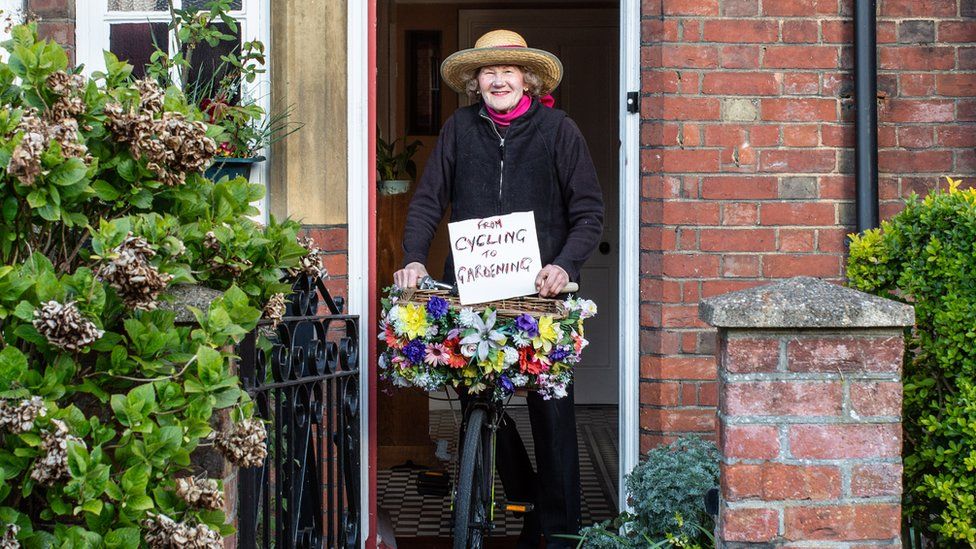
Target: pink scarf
(520, 109)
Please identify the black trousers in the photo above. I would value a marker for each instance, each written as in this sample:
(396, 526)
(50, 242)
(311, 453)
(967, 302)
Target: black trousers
(554, 488)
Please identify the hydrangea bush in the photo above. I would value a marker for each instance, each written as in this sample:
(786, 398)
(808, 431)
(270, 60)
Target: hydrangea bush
(434, 345)
(926, 256)
(103, 398)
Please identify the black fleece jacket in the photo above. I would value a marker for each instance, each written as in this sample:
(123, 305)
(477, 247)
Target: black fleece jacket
(540, 163)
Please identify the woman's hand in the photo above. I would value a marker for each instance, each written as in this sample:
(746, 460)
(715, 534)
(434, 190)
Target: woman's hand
(410, 275)
(550, 280)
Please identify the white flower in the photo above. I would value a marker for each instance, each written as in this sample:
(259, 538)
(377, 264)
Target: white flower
(587, 308)
(485, 336)
(469, 350)
(519, 380)
(431, 331)
(511, 356)
(520, 340)
(467, 316)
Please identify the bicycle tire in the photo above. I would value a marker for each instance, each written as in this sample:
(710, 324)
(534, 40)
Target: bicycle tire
(472, 500)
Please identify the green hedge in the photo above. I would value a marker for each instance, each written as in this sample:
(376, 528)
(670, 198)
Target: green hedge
(926, 255)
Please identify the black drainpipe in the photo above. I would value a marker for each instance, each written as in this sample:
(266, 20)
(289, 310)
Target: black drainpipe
(866, 115)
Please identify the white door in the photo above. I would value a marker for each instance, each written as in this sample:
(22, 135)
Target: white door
(586, 41)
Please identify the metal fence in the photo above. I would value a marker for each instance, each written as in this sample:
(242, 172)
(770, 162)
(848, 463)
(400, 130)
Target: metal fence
(303, 376)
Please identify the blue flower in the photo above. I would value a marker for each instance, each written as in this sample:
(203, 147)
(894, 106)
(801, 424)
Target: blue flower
(559, 353)
(415, 351)
(437, 307)
(506, 385)
(527, 324)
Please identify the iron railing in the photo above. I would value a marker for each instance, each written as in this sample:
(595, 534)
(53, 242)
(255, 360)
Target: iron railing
(303, 376)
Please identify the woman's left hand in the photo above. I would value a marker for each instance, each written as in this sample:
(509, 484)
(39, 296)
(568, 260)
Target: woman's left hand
(550, 280)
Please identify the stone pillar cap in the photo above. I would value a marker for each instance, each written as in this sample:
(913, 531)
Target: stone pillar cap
(804, 302)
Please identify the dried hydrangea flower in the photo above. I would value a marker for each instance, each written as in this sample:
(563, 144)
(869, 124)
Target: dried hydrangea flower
(163, 532)
(210, 241)
(64, 327)
(38, 133)
(68, 88)
(53, 465)
(18, 417)
(171, 145)
(311, 263)
(131, 274)
(244, 444)
(9, 539)
(274, 309)
(202, 493)
(151, 95)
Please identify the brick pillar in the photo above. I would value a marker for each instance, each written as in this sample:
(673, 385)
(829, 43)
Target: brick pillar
(55, 21)
(809, 415)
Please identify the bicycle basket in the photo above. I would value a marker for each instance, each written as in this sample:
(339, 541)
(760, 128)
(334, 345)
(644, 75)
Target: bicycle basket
(509, 308)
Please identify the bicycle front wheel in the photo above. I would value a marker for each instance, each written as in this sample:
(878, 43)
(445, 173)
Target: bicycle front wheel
(472, 502)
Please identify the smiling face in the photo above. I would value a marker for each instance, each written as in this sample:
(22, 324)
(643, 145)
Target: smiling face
(502, 86)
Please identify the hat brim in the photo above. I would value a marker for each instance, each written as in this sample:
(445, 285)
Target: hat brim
(460, 65)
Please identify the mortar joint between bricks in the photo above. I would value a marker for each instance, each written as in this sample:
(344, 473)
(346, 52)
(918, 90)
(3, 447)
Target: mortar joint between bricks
(845, 480)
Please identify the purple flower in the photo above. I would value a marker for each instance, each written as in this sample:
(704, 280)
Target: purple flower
(527, 324)
(559, 353)
(506, 384)
(437, 307)
(415, 351)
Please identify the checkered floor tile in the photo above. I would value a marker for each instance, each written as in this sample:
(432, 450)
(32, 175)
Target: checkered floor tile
(414, 515)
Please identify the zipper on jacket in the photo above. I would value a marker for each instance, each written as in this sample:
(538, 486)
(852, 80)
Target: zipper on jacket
(501, 148)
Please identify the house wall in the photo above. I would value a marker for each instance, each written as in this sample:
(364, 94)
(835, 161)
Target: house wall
(746, 151)
(747, 159)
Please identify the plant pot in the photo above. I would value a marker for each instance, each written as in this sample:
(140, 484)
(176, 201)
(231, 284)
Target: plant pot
(389, 187)
(232, 167)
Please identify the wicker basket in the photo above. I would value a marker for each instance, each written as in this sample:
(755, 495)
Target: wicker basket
(511, 308)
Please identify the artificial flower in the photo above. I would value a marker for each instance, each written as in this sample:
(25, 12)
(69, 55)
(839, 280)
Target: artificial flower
(415, 351)
(525, 323)
(414, 319)
(437, 307)
(548, 334)
(484, 334)
(437, 355)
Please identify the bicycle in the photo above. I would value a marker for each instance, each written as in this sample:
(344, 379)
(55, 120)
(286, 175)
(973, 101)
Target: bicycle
(474, 494)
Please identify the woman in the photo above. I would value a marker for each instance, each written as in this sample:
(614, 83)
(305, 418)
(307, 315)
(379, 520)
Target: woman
(510, 151)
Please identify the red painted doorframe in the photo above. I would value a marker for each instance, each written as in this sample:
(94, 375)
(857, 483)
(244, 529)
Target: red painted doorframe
(371, 326)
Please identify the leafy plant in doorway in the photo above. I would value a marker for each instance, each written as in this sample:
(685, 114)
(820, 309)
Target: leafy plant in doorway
(103, 397)
(666, 491)
(395, 170)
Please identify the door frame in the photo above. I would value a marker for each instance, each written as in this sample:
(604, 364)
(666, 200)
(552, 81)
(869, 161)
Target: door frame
(361, 105)
(361, 220)
(629, 269)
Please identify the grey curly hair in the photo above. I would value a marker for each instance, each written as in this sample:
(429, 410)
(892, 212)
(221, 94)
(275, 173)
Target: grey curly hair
(532, 81)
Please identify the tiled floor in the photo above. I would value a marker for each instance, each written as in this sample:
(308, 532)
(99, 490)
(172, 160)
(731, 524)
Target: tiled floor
(414, 515)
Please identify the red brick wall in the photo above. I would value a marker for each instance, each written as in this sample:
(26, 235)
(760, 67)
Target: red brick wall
(55, 21)
(747, 158)
(334, 240)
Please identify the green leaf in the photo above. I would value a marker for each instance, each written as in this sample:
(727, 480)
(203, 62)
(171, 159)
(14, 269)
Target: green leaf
(105, 191)
(123, 538)
(70, 172)
(13, 365)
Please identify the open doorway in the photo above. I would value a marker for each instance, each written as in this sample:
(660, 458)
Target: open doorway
(413, 37)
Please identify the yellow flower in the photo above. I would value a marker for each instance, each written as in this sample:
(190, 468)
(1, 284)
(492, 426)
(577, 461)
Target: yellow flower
(558, 367)
(414, 319)
(470, 371)
(494, 363)
(548, 334)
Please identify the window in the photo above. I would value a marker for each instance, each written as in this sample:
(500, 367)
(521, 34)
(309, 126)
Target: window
(131, 29)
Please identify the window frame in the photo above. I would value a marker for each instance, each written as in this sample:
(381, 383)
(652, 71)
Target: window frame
(92, 31)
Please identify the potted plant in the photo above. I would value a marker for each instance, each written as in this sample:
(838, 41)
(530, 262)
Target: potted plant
(395, 171)
(224, 97)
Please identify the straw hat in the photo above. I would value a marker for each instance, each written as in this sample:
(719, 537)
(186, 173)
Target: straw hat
(501, 47)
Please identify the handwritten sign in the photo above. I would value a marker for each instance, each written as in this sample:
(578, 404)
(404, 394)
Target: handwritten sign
(495, 257)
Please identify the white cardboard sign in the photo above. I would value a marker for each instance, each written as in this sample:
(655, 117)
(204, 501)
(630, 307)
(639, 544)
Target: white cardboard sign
(495, 257)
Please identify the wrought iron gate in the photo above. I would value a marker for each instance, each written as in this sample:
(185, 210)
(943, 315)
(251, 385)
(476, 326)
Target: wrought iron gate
(303, 375)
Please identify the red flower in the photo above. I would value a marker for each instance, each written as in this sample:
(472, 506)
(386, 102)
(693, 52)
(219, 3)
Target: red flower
(391, 339)
(529, 363)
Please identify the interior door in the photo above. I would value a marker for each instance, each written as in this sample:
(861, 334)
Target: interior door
(586, 41)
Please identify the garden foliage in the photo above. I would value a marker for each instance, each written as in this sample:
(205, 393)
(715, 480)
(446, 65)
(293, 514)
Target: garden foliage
(666, 491)
(103, 399)
(926, 255)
